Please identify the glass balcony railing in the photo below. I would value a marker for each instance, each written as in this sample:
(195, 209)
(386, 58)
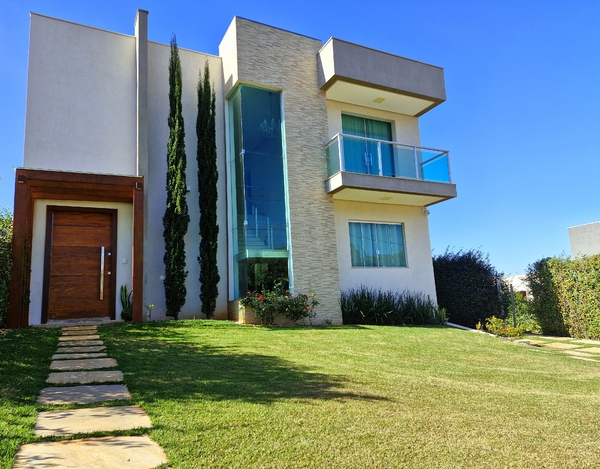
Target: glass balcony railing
(382, 158)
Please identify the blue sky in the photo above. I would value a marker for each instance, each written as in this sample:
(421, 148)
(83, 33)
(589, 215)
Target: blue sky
(521, 119)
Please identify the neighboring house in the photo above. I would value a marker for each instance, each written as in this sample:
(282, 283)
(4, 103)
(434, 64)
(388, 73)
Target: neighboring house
(585, 239)
(519, 285)
(313, 182)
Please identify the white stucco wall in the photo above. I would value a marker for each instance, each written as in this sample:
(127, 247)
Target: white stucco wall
(416, 277)
(158, 112)
(405, 129)
(124, 245)
(81, 99)
(585, 239)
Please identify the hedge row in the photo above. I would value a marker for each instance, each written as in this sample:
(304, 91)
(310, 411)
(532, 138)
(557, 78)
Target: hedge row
(577, 286)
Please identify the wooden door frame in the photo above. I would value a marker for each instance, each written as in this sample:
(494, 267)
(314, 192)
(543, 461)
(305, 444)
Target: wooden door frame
(50, 209)
(32, 184)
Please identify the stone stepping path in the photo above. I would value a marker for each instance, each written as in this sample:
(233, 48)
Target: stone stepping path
(85, 377)
(68, 422)
(66, 338)
(83, 364)
(109, 452)
(576, 348)
(72, 356)
(561, 345)
(80, 348)
(83, 394)
(73, 342)
(96, 348)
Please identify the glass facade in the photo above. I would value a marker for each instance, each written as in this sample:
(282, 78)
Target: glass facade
(259, 203)
(377, 245)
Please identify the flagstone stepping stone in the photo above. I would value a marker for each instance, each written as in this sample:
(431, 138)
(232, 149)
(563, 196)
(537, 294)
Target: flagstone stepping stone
(587, 341)
(592, 349)
(78, 337)
(535, 342)
(82, 332)
(71, 356)
(561, 345)
(79, 330)
(83, 394)
(85, 364)
(579, 354)
(108, 452)
(80, 343)
(85, 377)
(95, 348)
(100, 419)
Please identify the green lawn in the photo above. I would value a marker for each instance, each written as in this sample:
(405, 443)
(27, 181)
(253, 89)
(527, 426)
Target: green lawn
(222, 395)
(25, 356)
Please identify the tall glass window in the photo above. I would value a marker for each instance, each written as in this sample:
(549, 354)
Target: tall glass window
(377, 245)
(260, 226)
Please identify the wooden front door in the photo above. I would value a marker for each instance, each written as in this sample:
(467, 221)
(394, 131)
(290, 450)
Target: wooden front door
(78, 272)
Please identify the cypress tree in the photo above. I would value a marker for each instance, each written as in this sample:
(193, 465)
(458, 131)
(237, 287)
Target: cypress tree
(176, 218)
(208, 176)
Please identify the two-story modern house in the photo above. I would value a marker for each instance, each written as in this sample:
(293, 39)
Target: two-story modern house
(323, 177)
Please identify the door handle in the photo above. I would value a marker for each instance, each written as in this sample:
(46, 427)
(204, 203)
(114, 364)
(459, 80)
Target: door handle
(102, 273)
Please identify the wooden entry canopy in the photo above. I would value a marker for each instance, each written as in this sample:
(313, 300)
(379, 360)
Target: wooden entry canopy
(31, 184)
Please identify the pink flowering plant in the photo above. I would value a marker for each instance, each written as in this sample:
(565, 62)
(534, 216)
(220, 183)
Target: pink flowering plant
(269, 304)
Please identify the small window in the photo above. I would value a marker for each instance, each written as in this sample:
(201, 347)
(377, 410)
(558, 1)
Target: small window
(377, 245)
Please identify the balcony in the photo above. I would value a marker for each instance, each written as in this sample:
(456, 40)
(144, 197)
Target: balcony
(371, 170)
(354, 74)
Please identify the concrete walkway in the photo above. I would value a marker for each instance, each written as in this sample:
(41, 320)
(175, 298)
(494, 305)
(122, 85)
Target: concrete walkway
(80, 350)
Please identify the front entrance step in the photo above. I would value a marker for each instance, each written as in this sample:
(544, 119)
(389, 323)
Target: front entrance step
(83, 394)
(74, 356)
(65, 338)
(85, 364)
(109, 452)
(80, 343)
(100, 419)
(85, 377)
(95, 348)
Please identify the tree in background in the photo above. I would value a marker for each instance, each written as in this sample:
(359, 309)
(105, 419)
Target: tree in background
(545, 305)
(6, 226)
(466, 286)
(176, 218)
(208, 176)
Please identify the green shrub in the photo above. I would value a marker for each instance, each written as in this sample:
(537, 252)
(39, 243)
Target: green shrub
(6, 226)
(545, 304)
(365, 305)
(497, 327)
(466, 286)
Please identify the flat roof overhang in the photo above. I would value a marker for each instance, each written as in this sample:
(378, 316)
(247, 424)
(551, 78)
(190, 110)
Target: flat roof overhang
(366, 77)
(388, 190)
